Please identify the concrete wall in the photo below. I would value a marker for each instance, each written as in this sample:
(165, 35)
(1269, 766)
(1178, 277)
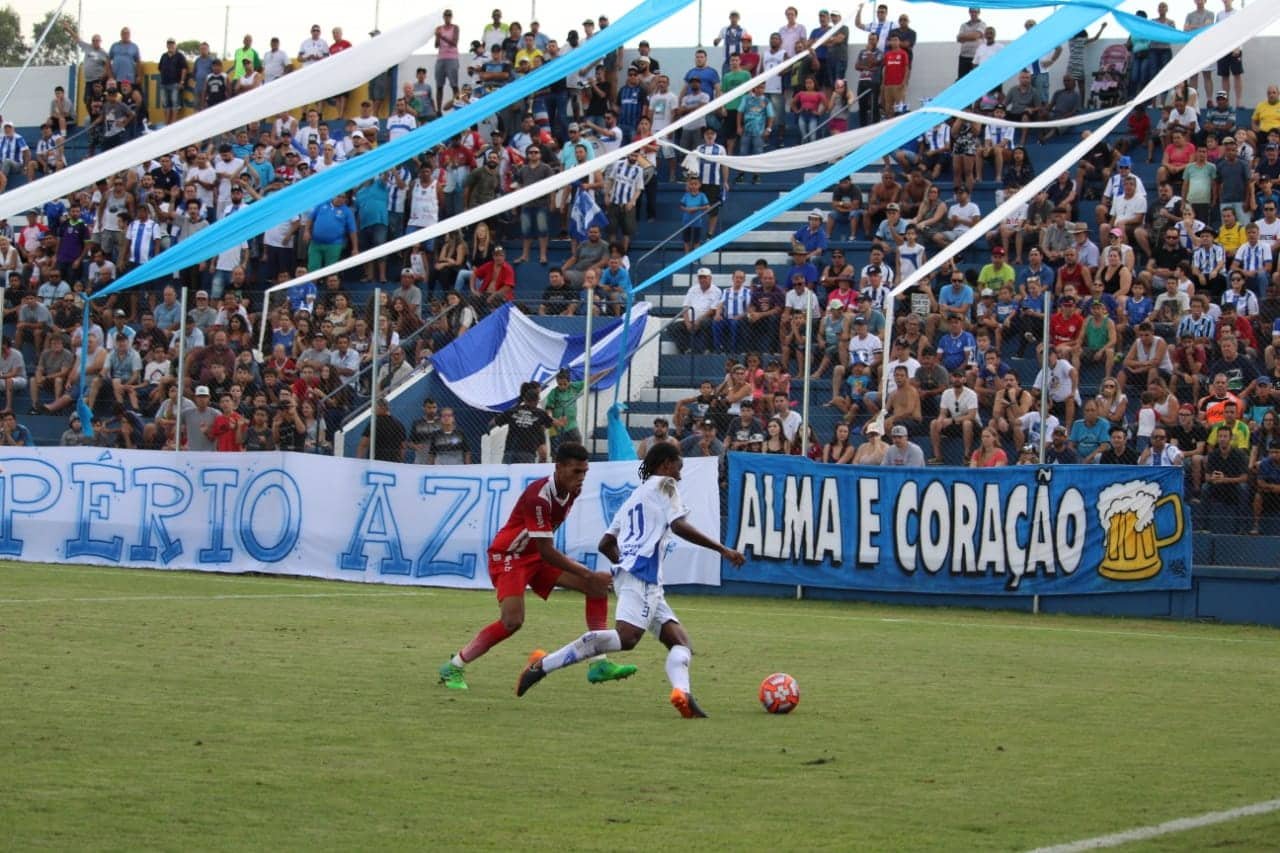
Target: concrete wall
(28, 106)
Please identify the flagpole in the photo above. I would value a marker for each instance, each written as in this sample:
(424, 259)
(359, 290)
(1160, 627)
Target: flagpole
(182, 367)
(808, 368)
(584, 400)
(373, 381)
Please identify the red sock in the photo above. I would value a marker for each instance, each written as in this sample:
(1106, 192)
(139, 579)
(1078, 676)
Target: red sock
(597, 614)
(490, 635)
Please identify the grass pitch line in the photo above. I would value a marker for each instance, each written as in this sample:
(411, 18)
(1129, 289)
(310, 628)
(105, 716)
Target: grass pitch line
(222, 597)
(1007, 626)
(1182, 824)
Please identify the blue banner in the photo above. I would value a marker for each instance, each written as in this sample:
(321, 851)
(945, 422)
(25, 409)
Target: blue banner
(1052, 530)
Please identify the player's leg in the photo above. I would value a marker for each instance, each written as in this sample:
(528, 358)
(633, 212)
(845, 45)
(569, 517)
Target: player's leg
(597, 616)
(510, 577)
(633, 613)
(589, 645)
(679, 654)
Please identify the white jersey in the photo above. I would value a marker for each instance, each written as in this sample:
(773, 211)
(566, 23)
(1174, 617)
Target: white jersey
(424, 205)
(642, 527)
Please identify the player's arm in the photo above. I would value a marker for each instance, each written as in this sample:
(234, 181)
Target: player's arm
(597, 582)
(689, 533)
(609, 548)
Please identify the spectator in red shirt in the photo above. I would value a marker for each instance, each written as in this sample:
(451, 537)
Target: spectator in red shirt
(495, 279)
(229, 427)
(307, 386)
(896, 76)
(1066, 326)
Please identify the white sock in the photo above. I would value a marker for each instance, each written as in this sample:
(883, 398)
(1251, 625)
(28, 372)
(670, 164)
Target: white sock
(678, 667)
(457, 661)
(587, 646)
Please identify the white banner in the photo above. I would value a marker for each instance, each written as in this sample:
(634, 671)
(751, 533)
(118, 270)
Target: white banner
(297, 514)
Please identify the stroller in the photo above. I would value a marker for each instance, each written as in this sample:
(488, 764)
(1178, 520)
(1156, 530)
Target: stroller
(1111, 80)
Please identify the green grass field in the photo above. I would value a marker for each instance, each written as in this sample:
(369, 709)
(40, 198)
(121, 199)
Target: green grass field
(153, 710)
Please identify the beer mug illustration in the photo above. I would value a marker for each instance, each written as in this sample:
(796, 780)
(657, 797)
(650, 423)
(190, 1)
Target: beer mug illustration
(1131, 546)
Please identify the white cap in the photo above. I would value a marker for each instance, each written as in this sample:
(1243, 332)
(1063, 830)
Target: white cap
(202, 390)
(703, 271)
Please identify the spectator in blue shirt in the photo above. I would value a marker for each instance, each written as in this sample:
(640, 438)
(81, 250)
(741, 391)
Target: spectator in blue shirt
(956, 299)
(958, 347)
(811, 238)
(1090, 434)
(327, 227)
(800, 265)
(12, 433)
(705, 74)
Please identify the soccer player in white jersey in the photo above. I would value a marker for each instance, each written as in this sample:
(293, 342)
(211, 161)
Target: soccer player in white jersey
(636, 544)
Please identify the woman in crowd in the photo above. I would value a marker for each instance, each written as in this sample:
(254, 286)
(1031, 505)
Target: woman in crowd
(1113, 404)
(839, 450)
(451, 257)
(775, 438)
(809, 105)
(989, 453)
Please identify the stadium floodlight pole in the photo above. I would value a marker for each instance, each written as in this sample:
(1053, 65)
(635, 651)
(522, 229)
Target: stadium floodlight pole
(809, 297)
(182, 372)
(1045, 343)
(583, 403)
(373, 374)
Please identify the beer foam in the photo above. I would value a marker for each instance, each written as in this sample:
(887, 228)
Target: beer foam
(1136, 496)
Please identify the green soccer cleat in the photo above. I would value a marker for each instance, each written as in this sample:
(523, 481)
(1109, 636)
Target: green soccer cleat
(452, 677)
(606, 670)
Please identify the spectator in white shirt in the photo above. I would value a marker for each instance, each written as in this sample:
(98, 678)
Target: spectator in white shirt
(699, 309)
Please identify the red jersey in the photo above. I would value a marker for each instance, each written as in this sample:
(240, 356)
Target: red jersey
(536, 515)
(226, 432)
(1063, 329)
(896, 63)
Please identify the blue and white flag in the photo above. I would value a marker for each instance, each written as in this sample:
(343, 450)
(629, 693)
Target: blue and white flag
(486, 366)
(584, 214)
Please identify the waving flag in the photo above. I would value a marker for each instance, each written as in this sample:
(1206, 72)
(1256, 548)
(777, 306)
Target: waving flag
(486, 366)
(584, 214)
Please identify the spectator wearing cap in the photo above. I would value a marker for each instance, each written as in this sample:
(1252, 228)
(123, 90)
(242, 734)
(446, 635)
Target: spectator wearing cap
(730, 36)
(661, 435)
(697, 313)
(703, 441)
(810, 239)
(1219, 119)
(15, 154)
(495, 279)
(902, 452)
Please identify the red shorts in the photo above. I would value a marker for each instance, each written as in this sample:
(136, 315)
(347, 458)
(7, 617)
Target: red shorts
(511, 573)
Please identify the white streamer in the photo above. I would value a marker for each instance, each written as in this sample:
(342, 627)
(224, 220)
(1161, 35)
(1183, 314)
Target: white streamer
(834, 147)
(524, 195)
(339, 73)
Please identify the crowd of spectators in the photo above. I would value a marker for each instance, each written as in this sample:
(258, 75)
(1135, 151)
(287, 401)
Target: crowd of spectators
(1147, 322)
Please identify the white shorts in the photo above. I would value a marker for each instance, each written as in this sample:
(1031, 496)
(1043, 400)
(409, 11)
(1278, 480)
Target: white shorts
(641, 604)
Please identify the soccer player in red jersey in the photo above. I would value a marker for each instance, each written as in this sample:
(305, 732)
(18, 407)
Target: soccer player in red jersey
(523, 554)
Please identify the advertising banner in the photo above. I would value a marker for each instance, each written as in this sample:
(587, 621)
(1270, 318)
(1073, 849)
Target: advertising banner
(298, 514)
(1027, 530)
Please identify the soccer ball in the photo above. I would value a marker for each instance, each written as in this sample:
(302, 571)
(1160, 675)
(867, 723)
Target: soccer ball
(779, 693)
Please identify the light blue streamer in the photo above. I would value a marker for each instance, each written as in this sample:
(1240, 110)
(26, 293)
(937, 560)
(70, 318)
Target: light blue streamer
(1142, 28)
(1034, 43)
(317, 189)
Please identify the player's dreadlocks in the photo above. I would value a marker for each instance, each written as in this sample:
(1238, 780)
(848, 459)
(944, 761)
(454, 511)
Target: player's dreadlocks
(658, 455)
